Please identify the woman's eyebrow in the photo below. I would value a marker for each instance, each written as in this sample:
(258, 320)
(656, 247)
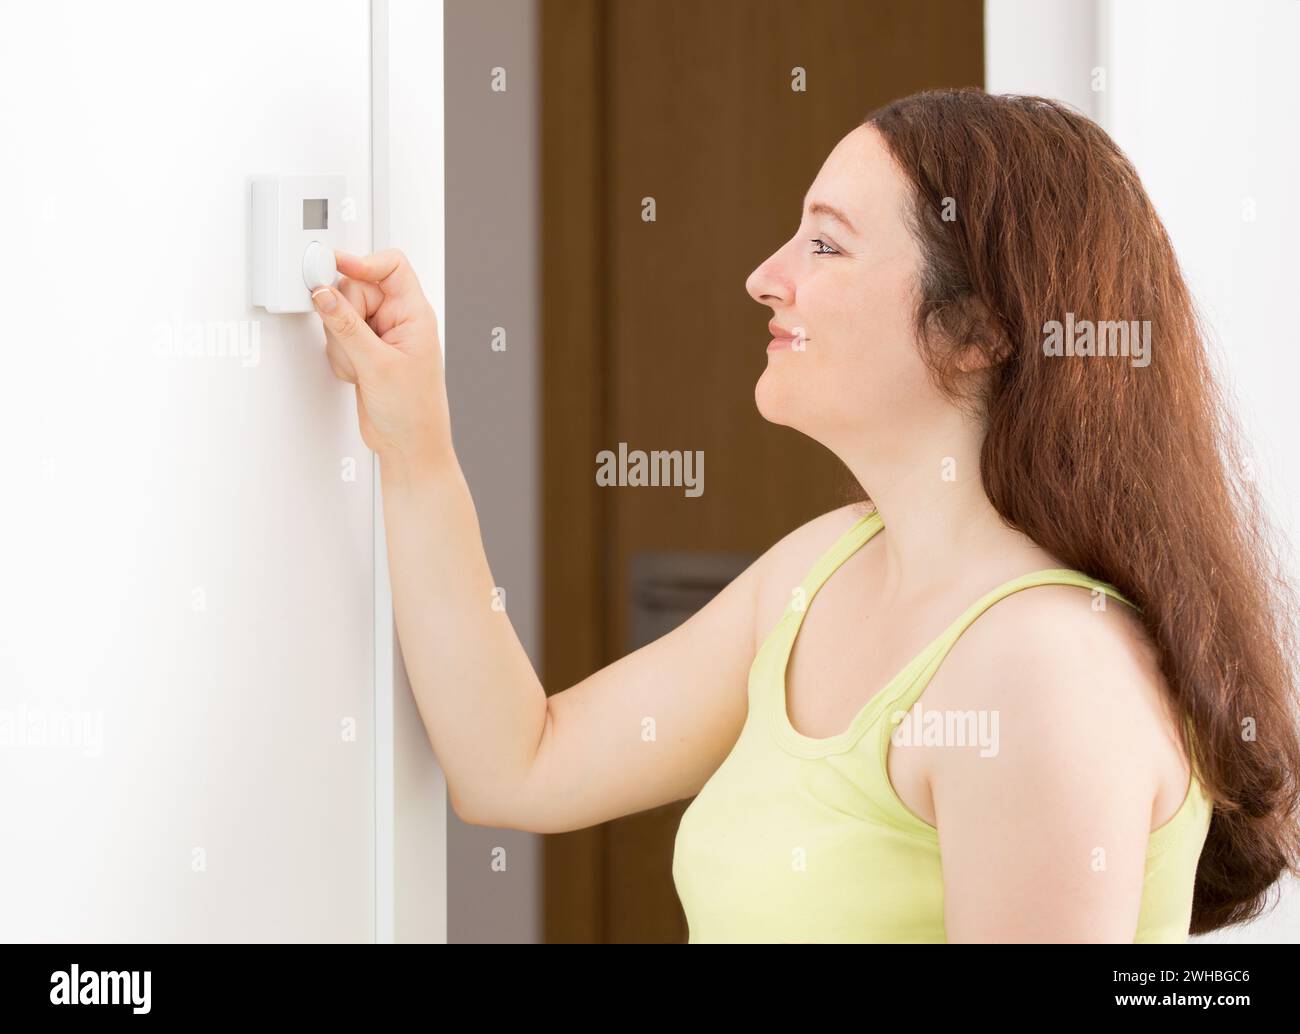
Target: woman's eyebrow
(822, 208)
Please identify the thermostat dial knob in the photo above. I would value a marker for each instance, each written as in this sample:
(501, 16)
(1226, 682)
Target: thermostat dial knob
(318, 268)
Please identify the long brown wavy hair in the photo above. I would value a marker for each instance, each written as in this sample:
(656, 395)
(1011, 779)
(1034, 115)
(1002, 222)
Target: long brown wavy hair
(1026, 211)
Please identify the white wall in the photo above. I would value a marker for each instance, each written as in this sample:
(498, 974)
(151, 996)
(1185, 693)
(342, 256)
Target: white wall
(1042, 47)
(1204, 98)
(185, 558)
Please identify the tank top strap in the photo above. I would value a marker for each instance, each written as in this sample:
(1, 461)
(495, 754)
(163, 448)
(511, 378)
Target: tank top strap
(928, 661)
(857, 536)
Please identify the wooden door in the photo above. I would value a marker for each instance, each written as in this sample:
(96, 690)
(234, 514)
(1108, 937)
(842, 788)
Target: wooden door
(649, 337)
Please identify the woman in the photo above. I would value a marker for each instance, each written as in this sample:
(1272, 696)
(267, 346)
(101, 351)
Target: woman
(1114, 758)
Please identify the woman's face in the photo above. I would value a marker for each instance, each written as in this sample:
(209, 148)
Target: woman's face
(845, 288)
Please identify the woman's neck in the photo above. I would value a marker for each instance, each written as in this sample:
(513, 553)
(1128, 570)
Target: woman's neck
(938, 519)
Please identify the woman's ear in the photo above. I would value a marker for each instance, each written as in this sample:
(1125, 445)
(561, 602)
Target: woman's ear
(986, 349)
(971, 358)
(970, 343)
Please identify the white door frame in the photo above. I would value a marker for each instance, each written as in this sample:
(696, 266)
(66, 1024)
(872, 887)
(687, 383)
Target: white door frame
(407, 201)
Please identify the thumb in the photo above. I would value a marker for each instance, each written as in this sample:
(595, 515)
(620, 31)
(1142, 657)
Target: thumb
(344, 325)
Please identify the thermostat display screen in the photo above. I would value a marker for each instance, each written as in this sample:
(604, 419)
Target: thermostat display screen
(315, 213)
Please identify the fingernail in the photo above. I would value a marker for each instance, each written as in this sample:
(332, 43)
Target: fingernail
(323, 298)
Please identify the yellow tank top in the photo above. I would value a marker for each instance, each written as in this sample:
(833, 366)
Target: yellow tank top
(801, 839)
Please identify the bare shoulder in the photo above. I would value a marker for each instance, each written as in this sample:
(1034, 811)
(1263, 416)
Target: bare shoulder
(1077, 774)
(789, 560)
(1068, 631)
(1080, 679)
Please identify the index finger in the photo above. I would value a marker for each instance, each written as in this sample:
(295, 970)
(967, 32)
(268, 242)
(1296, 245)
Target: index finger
(389, 269)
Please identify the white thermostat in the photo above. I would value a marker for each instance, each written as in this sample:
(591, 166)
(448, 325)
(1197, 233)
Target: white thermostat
(297, 224)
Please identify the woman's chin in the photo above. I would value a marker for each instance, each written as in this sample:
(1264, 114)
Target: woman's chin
(772, 399)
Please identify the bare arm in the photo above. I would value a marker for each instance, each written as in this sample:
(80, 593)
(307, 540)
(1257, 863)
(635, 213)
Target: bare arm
(1045, 839)
(481, 702)
(648, 729)
(644, 731)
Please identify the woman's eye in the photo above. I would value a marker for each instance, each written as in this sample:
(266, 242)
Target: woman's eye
(822, 244)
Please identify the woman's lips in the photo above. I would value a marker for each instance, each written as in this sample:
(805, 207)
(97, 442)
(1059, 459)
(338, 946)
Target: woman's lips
(784, 338)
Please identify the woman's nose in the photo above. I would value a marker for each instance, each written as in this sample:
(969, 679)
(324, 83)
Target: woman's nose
(768, 283)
